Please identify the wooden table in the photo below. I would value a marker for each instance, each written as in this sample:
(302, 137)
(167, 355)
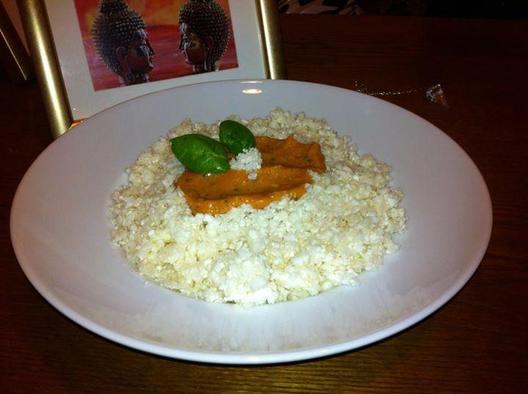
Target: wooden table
(475, 343)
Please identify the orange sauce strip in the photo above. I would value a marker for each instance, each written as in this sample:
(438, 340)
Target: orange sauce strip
(291, 153)
(217, 194)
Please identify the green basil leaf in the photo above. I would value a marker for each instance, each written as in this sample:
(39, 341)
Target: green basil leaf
(236, 136)
(199, 153)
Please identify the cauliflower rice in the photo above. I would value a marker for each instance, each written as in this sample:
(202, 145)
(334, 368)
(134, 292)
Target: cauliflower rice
(343, 225)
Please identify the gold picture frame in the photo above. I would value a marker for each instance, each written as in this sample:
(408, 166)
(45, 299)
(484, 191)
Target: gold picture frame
(47, 61)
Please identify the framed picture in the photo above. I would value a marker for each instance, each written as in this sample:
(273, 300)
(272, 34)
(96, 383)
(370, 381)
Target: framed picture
(92, 54)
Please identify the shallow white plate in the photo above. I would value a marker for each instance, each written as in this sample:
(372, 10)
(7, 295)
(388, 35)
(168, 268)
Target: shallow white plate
(60, 231)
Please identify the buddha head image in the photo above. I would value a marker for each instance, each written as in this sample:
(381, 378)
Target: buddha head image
(121, 41)
(204, 32)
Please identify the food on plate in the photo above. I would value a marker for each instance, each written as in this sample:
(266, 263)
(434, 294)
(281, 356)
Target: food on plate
(200, 153)
(291, 153)
(235, 136)
(218, 194)
(282, 170)
(330, 214)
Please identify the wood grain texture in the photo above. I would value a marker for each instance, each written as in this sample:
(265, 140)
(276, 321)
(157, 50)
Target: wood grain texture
(476, 343)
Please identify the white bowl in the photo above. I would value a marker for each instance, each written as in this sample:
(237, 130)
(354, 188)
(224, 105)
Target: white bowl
(60, 231)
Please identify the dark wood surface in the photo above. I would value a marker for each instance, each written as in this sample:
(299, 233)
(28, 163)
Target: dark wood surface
(475, 343)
